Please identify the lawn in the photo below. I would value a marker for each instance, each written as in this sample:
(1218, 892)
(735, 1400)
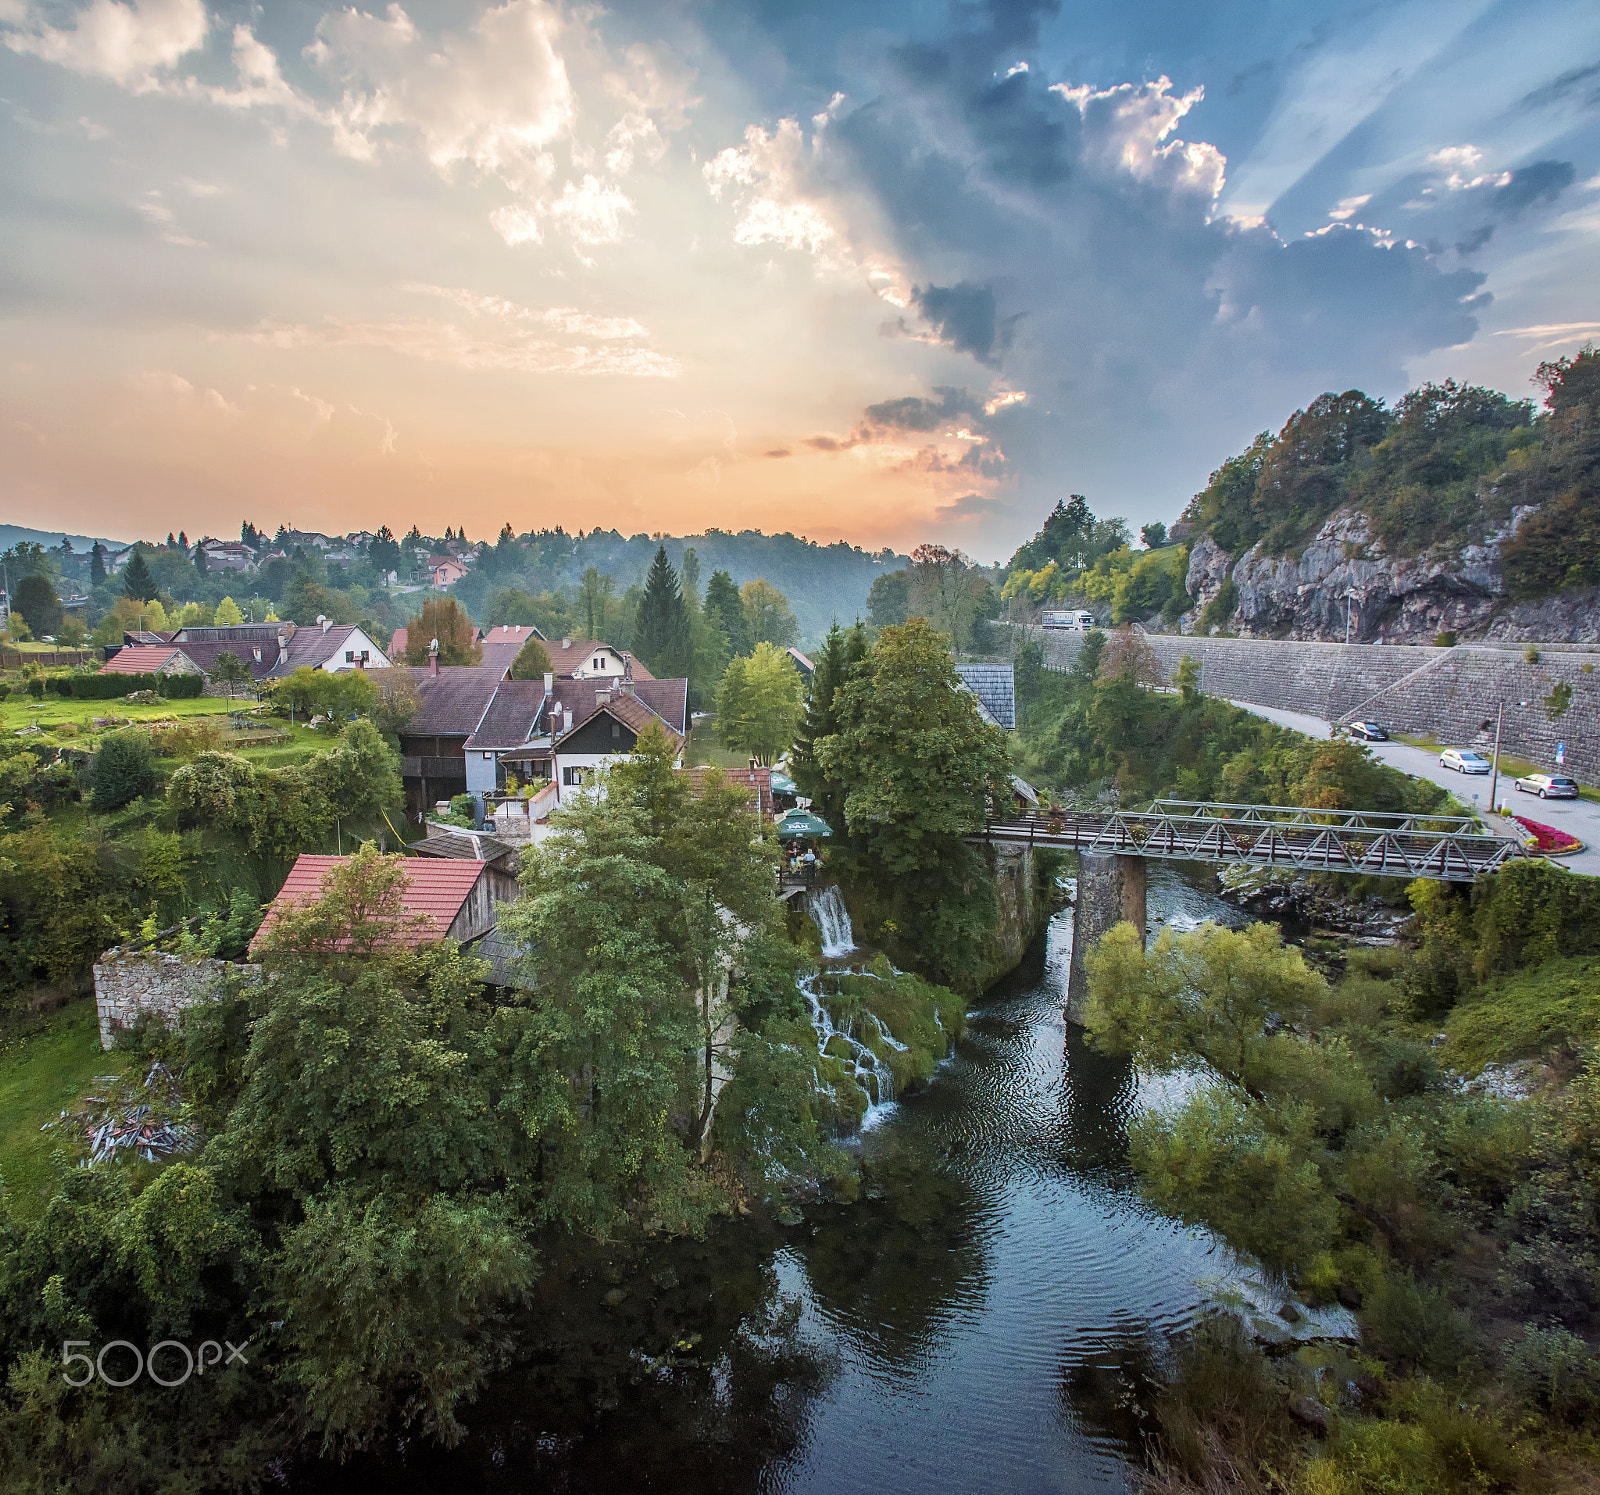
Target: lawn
(43, 1072)
(705, 748)
(19, 709)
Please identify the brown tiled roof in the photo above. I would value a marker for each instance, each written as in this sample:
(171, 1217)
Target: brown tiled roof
(464, 848)
(315, 646)
(511, 633)
(451, 703)
(755, 782)
(669, 699)
(147, 636)
(632, 713)
(141, 659)
(397, 647)
(510, 719)
(436, 888)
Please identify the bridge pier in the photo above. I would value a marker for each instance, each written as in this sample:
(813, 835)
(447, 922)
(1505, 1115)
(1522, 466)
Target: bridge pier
(1111, 889)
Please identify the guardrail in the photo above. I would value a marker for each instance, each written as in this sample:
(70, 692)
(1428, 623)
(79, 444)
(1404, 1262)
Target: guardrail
(1444, 848)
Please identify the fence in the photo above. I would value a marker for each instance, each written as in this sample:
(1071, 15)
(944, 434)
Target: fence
(14, 659)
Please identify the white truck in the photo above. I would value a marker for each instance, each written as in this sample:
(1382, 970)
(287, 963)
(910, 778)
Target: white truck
(1072, 622)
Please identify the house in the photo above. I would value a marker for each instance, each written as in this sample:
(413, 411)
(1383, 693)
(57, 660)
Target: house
(593, 723)
(451, 702)
(228, 555)
(150, 659)
(329, 646)
(587, 659)
(500, 857)
(503, 642)
(756, 783)
(995, 687)
(444, 898)
(802, 663)
(445, 570)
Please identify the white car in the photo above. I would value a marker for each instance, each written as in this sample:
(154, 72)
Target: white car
(1549, 786)
(1463, 760)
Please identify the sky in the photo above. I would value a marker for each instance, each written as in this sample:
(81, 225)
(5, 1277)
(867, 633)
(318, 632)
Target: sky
(885, 272)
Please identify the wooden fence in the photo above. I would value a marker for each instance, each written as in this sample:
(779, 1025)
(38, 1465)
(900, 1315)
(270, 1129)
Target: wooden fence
(14, 659)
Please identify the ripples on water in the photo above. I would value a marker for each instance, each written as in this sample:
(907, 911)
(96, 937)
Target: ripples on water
(974, 1324)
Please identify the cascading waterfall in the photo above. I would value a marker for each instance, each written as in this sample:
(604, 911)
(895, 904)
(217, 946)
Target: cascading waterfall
(832, 918)
(867, 1070)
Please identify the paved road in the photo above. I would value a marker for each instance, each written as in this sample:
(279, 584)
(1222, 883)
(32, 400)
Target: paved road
(1577, 817)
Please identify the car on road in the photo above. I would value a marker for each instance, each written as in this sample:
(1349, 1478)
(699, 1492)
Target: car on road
(1368, 732)
(1549, 786)
(1464, 760)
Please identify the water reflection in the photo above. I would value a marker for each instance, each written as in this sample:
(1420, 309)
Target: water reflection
(982, 1319)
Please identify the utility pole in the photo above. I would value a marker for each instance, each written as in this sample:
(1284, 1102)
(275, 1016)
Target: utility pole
(1494, 775)
(1349, 593)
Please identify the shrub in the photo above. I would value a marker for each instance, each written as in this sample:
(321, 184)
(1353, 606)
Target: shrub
(1553, 1369)
(464, 810)
(5, 690)
(1445, 640)
(1531, 654)
(36, 688)
(1415, 1326)
(123, 769)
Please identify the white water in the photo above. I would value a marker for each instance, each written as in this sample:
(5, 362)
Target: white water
(829, 914)
(868, 1071)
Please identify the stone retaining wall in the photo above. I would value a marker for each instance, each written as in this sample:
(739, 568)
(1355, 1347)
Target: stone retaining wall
(1419, 690)
(127, 983)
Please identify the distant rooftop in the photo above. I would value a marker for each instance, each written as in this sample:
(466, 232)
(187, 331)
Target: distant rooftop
(995, 687)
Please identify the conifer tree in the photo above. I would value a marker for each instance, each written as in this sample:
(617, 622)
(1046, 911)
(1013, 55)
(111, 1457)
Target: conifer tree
(724, 604)
(97, 565)
(137, 582)
(661, 635)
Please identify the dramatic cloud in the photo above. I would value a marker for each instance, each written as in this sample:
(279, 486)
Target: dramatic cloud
(130, 43)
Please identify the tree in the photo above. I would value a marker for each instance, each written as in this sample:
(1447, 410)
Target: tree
(384, 551)
(97, 565)
(944, 587)
(594, 598)
(1154, 536)
(137, 581)
(228, 614)
(532, 661)
(758, 704)
(200, 563)
(841, 653)
(725, 608)
(71, 631)
(889, 601)
(36, 600)
(337, 694)
(230, 670)
(444, 619)
(1128, 652)
(123, 769)
(661, 636)
(767, 614)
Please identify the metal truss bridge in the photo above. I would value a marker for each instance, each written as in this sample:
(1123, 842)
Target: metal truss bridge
(1444, 848)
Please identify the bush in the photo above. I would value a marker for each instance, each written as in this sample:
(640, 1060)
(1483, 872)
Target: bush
(36, 688)
(1415, 1326)
(464, 810)
(1554, 1370)
(1445, 640)
(123, 769)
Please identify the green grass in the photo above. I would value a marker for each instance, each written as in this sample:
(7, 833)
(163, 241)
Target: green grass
(19, 709)
(705, 748)
(42, 1073)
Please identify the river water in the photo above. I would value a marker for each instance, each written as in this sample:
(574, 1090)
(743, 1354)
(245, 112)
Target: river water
(980, 1321)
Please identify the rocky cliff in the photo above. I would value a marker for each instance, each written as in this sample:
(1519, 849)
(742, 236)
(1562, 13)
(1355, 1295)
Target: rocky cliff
(1391, 599)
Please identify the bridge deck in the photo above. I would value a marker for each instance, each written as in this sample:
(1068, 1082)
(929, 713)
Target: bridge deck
(1441, 848)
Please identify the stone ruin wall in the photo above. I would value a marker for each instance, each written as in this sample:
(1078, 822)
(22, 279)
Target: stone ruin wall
(128, 983)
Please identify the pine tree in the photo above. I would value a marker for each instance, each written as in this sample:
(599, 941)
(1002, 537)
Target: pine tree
(661, 636)
(97, 565)
(137, 582)
(726, 606)
(838, 658)
(200, 563)
(183, 540)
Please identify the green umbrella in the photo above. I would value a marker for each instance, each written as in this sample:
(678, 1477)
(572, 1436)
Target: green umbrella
(781, 782)
(798, 824)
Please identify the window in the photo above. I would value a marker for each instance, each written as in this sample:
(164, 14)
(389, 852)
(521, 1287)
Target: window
(349, 656)
(572, 777)
(616, 731)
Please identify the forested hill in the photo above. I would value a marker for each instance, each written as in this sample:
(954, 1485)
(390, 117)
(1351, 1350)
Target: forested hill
(822, 582)
(1448, 466)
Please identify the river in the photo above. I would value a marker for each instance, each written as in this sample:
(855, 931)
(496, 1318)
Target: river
(981, 1320)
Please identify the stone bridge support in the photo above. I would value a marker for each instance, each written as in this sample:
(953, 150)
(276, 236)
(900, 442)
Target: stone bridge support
(1111, 889)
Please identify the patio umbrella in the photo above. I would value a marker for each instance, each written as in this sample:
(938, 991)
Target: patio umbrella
(781, 782)
(798, 824)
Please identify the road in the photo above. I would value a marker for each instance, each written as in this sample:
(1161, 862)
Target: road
(1577, 817)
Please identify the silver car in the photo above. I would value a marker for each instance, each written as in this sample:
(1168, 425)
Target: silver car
(1549, 786)
(1464, 760)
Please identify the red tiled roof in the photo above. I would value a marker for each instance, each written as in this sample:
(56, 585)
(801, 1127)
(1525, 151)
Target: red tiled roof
(397, 647)
(435, 888)
(140, 659)
(755, 782)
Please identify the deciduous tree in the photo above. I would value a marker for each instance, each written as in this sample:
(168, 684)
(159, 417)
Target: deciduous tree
(758, 703)
(444, 619)
(532, 661)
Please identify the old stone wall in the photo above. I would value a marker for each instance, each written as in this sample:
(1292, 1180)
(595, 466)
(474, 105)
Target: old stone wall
(133, 982)
(1419, 690)
(1023, 908)
(1111, 890)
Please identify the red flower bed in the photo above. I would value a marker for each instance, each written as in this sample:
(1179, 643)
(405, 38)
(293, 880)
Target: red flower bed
(1546, 837)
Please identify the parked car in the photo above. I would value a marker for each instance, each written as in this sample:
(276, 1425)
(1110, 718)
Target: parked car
(1368, 732)
(1549, 786)
(1464, 760)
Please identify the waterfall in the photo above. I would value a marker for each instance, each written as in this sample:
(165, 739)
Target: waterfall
(868, 1071)
(829, 914)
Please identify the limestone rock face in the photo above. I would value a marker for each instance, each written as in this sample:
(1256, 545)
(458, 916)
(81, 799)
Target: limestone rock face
(1391, 599)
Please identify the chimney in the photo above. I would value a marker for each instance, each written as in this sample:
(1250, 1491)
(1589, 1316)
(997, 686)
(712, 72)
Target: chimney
(549, 685)
(627, 673)
(567, 714)
(327, 623)
(602, 697)
(433, 657)
(566, 643)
